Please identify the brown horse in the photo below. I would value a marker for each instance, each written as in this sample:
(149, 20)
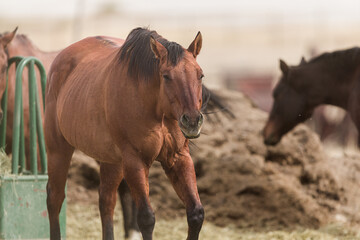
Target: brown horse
(126, 104)
(331, 78)
(11, 45)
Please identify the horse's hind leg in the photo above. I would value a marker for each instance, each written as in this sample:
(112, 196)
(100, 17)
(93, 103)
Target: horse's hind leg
(110, 178)
(129, 209)
(59, 154)
(136, 173)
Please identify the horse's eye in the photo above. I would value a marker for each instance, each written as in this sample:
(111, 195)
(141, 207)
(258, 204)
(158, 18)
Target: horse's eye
(166, 77)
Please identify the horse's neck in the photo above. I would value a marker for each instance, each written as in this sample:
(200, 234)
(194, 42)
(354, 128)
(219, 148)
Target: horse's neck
(336, 84)
(151, 100)
(140, 93)
(21, 46)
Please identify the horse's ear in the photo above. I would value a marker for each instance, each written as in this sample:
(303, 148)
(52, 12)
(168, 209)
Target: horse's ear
(158, 49)
(303, 61)
(284, 67)
(195, 46)
(6, 39)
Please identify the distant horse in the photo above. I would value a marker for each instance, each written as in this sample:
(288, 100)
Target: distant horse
(5, 39)
(126, 104)
(19, 45)
(331, 78)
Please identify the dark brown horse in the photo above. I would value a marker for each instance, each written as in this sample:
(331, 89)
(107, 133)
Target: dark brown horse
(126, 104)
(331, 78)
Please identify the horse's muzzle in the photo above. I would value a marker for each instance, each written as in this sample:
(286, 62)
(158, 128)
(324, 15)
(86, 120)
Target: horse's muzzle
(270, 137)
(191, 125)
(271, 140)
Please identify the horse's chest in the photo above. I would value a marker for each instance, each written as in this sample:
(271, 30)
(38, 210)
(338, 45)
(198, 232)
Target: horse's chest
(160, 145)
(171, 146)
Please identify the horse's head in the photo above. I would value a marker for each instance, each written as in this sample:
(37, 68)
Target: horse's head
(181, 86)
(291, 106)
(5, 39)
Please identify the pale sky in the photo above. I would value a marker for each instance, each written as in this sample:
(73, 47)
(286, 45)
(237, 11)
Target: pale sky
(331, 11)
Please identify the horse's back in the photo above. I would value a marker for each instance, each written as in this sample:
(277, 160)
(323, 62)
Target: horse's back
(74, 95)
(91, 51)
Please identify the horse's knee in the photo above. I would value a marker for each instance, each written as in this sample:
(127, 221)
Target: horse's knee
(107, 200)
(195, 216)
(146, 219)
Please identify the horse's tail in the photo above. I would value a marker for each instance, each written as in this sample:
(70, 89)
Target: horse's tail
(213, 104)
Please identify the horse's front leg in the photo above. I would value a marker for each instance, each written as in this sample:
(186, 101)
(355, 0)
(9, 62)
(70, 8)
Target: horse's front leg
(136, 174)
(110, 178)
(183, 179)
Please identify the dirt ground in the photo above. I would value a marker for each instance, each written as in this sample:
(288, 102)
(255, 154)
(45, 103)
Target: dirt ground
(83, 222)
(244, 184)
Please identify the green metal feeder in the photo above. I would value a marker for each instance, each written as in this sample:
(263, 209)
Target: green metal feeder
(23, 211)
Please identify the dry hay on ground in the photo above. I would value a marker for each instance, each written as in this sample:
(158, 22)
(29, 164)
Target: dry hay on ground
(243, 182)
(5, 163)
(83, 222)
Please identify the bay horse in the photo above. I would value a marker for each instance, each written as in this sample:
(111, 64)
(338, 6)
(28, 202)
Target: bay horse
(11, 45)
(126, 104)
(331, 78)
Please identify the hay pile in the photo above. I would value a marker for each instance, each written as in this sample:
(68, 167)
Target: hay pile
(5, 163)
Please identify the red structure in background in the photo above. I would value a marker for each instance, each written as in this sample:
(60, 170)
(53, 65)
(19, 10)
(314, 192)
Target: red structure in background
(257, 87)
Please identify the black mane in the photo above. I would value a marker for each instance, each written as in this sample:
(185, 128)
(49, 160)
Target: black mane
(136, 51)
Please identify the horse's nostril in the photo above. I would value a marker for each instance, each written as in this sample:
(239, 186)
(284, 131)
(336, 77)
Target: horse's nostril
(200, 119)
(196, 121)
(185, 119)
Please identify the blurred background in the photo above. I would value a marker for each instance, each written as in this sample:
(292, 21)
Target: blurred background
(242, 43)
(242, 39)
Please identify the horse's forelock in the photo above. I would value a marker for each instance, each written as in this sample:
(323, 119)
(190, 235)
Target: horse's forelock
(136, 52)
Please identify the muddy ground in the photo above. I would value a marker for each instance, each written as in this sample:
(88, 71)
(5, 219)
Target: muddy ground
(245, 184)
